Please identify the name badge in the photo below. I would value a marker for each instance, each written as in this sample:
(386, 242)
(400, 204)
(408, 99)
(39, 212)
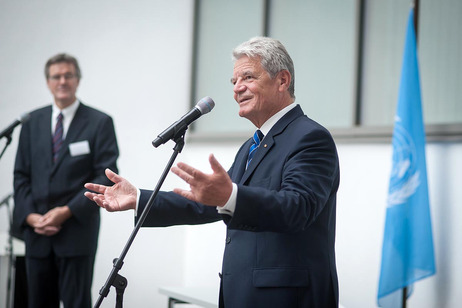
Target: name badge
(79, 148)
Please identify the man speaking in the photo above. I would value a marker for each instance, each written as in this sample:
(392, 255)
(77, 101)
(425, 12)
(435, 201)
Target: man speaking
(278, 199)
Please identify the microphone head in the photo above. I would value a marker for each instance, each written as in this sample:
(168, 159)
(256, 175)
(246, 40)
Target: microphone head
(205, 105)
(24, 117)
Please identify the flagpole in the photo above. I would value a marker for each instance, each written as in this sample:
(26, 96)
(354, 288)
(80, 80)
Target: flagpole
(404, 297)
(415, 4)
(416, 18)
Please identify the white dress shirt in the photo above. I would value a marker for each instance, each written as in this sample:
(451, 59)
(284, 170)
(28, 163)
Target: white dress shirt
(68, 115)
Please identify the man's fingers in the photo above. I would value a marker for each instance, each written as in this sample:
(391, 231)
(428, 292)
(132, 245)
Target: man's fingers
(96, 187)
(52, 229)
(216, 166)
(185, 193)
(114, 177)
(99, 200)
(181, 174)
(40, 224)
(185, 167)
(89, 195)
(186, 172)
(95, 198)
(48, 230)
(39, 231)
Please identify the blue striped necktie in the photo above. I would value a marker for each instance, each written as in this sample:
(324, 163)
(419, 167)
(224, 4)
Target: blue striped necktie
(58, 137)
(257, 138)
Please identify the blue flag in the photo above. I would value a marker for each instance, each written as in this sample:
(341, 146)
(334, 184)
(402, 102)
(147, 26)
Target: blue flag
(407, 252)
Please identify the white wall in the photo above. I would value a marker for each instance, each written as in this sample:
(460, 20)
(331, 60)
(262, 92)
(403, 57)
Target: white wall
(135, 58)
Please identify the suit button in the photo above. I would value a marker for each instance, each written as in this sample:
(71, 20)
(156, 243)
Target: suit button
(228, 240)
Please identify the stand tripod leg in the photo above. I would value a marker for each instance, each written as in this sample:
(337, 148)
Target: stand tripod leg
(120, 283)
(11, 281)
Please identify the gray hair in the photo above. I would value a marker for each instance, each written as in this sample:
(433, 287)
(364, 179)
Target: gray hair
(273, 57)
(60, 58)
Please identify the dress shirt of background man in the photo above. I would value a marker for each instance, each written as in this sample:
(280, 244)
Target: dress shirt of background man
(61, 226)
(280, 211)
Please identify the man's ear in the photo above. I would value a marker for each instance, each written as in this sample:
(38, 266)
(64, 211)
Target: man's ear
(284, 79)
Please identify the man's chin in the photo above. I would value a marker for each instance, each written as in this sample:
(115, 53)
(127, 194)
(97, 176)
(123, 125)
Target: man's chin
(63, 97)
(64, 101)
(245, 115)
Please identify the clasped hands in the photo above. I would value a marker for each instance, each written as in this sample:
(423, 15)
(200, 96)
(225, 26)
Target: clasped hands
(209, 189)
(50, 223)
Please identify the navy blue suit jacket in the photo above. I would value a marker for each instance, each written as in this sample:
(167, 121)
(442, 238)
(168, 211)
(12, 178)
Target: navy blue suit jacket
(41, 185)
(280, 241)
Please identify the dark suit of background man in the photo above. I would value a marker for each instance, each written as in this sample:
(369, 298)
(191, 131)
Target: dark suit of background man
(61, 226)
(279, 210)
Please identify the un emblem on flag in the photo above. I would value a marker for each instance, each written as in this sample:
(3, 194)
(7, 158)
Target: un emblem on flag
(405, 176)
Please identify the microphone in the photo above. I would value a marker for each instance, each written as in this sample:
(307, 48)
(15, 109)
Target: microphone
(205, 105)
(7, 131)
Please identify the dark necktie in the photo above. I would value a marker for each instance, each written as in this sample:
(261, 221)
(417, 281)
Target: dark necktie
(58, 137)
(257, 138)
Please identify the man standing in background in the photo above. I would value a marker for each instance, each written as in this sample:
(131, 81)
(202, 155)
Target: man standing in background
(61, 147)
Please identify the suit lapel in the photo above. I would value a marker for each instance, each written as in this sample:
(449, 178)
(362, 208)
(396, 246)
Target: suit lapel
(77, 126)
(268, 141)
(266, 144)
(240, 162)
(45, 140)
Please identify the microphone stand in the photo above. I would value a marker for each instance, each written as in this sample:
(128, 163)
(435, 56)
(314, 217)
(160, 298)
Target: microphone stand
(8, 141)
(11, 258)
(114, 279)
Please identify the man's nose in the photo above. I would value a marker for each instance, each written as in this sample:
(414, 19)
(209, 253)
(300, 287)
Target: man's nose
(239, 87)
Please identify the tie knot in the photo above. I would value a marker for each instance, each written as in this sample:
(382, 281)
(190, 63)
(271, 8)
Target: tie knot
(257, 137)
(60, 116)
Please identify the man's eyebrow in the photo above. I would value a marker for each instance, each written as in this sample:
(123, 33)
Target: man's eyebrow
(244, 73)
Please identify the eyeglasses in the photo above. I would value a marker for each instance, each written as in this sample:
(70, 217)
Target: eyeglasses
(65, 76)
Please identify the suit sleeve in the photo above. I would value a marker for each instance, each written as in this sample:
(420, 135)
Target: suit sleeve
(24, 203)
(171, 209)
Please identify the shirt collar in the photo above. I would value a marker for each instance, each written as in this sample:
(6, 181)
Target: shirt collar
(67, 112)
(266, 127)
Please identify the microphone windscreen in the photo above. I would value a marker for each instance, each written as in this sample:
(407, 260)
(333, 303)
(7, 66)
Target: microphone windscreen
(205, 105)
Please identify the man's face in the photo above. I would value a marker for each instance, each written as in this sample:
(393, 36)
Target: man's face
(63, 83)
(256, 93)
